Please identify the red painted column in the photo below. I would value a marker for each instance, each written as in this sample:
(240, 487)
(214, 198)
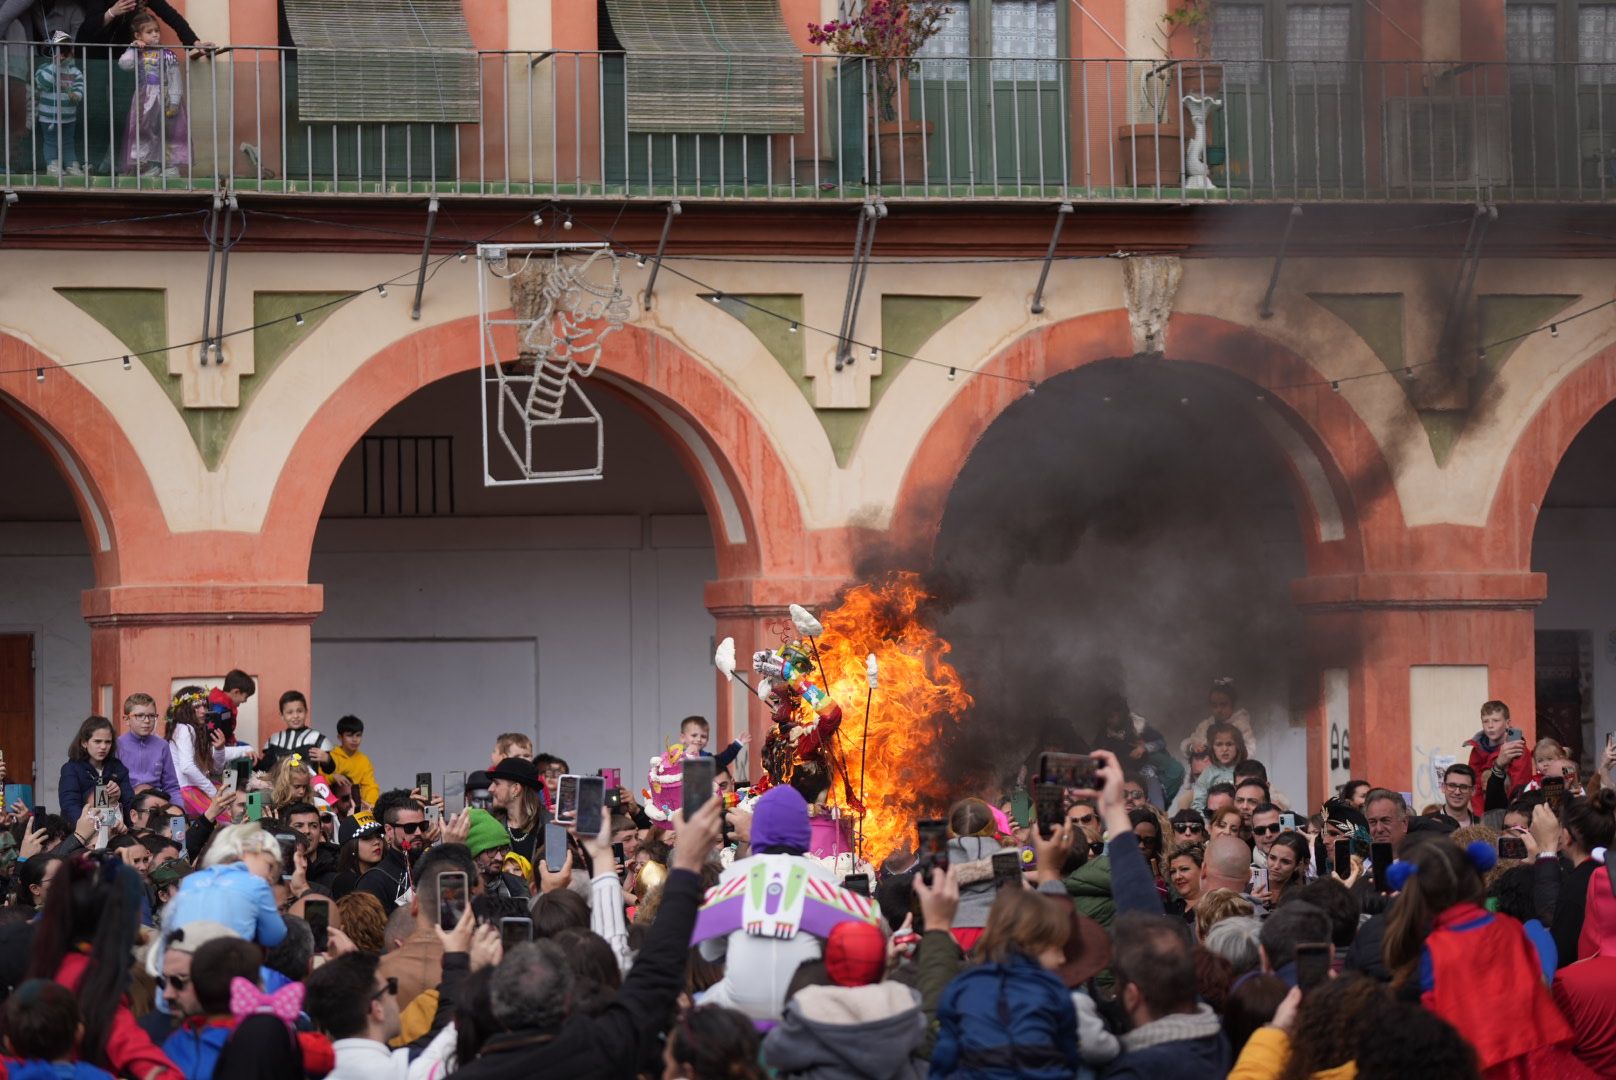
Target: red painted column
(144, 636)
(1379, 626)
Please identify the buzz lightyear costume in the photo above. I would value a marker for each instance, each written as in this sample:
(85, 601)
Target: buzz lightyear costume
(771, 911)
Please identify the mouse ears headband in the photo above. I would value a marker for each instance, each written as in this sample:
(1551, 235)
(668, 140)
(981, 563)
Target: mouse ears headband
(1479, 852)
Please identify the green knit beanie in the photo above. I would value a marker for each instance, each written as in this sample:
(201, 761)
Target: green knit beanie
(486, 833)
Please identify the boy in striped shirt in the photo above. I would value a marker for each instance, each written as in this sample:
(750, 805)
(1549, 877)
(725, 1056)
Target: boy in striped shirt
(299, 738)
(58, 90)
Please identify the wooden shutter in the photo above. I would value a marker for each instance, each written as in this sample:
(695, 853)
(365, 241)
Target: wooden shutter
(722, 66)
(383, 61)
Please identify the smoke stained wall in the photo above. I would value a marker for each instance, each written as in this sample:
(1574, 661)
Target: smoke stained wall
(1130, 528)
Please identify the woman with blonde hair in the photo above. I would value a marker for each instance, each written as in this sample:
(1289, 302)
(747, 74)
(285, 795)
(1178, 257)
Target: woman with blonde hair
(1021, 947)
(1225, 822)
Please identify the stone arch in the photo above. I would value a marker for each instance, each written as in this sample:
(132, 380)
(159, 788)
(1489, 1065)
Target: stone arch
(748, 493)
(1341, 481)
(110, 487)
(1538, 451)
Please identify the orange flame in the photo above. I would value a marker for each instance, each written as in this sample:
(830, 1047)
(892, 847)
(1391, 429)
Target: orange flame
(920, 696)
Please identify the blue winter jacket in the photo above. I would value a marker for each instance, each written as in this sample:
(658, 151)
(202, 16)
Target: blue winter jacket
(77, 786)
(1004, 1021)
(195, 1047)
(54, 1070)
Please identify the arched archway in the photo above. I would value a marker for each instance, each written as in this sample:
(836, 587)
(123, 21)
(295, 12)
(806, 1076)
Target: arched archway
(737, 520)
(1342, 482)
(745, 484)
(1347, 519)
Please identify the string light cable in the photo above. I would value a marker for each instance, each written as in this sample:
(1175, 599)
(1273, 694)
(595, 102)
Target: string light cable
(953, 369)
(297, 318)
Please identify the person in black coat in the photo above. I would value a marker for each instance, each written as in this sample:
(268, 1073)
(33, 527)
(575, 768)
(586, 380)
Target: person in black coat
(546, 1037)
(92, 759)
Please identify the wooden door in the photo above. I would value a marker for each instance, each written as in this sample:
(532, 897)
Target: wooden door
(17, 706)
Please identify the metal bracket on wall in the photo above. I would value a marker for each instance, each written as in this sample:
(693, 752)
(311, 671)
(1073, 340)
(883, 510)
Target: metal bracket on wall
(870, 214)
(1464, 281)
(219, 245)
(1266, 309)
(7, 199)
(1062, 212)
(674, 210)
(426, 251)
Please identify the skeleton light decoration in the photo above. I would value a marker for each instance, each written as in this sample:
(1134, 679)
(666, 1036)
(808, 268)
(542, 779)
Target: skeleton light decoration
(565, 300)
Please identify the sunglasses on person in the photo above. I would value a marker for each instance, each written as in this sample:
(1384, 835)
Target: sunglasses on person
(1264, 830)
(1188, 827)
(178, 982)
(390, 988)
(409, 828)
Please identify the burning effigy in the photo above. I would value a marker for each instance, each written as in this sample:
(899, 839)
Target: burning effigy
(880, 759)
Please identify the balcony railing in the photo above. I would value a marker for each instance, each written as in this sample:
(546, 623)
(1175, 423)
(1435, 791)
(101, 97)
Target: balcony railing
(555, 124)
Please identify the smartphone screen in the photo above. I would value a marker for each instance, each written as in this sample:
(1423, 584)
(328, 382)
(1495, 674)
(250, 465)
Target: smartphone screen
(933, 847)
(243, 773)
(618, 857)
(591, 805)
(857, 883)
(698, 785)
(1049, 804)
(514, 931)
(1343, 859)
(1312, 964)
(423, 784)
(1067, 770)
(1553, 791)
(454, 792)
(317, 913)
(1006, 869)
(1511, 847)
(566, 807)
(451, 898)
(288, 855)
(1380, 857)
(555, 845)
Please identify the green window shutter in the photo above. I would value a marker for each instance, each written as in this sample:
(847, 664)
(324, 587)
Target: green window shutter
(722, 66)
(384, 61)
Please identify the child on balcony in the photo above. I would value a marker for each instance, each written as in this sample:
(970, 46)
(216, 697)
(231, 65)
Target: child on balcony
(58, 90)
(156, 138)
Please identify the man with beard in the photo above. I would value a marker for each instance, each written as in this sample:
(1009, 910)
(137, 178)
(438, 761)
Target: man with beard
(490, 843)
(407, 836)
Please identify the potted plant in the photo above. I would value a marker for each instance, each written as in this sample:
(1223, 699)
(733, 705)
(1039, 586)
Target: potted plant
(1199, 75)
(888, 33)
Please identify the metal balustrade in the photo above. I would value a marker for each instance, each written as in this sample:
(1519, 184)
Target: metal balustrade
(555, 124)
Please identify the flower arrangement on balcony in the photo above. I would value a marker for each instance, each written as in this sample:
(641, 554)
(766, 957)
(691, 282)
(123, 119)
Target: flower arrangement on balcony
(889, 32)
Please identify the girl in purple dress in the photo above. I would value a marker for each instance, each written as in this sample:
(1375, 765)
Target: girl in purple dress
(156, 137)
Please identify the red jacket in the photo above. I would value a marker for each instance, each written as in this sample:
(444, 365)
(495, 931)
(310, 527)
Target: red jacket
(1466, 993)
(130, 1051)
(1481, 760)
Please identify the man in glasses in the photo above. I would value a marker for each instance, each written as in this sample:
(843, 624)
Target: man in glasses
(357, 1006)
(407, 836)
(1458, 789)
(1265, 829)
(177, 948)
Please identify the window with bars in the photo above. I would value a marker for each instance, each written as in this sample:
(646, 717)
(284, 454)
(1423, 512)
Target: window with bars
(1239, 33)
(947, 54)
(1318, 43)
(1024, 40)
(1596, 44)
(1531, 42)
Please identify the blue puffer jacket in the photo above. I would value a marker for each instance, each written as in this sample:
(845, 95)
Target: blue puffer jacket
(47, 1070)
(195, 1047)
(1004, 1021)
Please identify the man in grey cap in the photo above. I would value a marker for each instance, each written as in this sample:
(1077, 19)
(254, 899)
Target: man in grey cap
(179, 995)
